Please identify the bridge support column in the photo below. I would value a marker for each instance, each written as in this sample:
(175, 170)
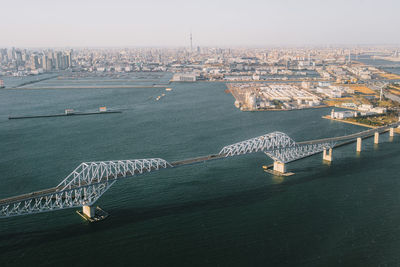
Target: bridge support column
(376, 138)
(279, 167)
(89, 211)
(359, 142)
(391, 132)
(327, 156)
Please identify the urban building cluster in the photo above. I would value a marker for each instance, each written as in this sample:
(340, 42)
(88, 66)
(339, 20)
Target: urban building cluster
(206, 63)
(23, 62)
(328, 90)
(252, 96)
(261, 96)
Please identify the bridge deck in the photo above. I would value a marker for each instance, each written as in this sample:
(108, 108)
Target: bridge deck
(196, 160)
(363, 134)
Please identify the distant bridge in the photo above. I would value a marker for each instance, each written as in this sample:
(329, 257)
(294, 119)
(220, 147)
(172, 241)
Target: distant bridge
(90, 180)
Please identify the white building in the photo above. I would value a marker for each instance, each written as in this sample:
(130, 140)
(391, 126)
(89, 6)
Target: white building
(285, 92)
(365, 107)
(322, 83)
(379, 110)
(343, 114)
(256, 77)
(333, 93)
(349, 105)
(184, 77)
(251, 100)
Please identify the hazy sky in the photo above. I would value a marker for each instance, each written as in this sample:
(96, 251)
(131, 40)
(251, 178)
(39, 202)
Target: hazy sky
(49, 23)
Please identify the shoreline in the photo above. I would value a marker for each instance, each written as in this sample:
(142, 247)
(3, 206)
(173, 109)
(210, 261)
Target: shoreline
(277, 109)
(257, 81)
(349, 122)
(396, 130)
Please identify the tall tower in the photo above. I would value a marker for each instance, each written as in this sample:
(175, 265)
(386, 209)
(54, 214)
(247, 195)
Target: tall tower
(191, 42)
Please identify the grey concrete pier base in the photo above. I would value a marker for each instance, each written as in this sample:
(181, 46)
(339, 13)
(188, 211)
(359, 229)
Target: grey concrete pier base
(376, 138)
(89, 211)
(327, 156)
(359, 144)
(279, 167)
(391, 132)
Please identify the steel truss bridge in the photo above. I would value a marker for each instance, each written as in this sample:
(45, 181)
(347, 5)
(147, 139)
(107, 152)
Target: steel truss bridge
(278, 146)
(90, 180)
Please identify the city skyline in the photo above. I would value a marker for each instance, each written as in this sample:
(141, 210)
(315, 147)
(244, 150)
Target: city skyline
(225, 23)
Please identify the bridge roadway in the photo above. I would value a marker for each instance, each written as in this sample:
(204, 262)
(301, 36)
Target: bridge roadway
(346, 138)
(363, 134)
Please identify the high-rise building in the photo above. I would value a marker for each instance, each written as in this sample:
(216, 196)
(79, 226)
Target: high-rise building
(34, 62)
(3, 55)
(44, 63)
(59, 61)
(65, 62)
(11, 54)
(50, 57)
(49, 64)
(18, 57)
(69, 55)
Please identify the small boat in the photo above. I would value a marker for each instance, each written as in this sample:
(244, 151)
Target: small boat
(168, 89)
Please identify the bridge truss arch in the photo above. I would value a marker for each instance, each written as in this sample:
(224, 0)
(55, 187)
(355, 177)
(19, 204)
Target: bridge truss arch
(267, 142)
(277, 145)
(83, 186)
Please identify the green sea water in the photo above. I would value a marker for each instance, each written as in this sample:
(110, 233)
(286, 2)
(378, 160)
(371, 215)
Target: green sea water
(220, 213)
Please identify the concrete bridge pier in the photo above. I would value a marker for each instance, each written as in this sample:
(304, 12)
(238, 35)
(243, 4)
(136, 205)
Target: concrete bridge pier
(89, 211)
(359, 142)
(391, 132)
(327, 156)
(376, 138)
(279, 167)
